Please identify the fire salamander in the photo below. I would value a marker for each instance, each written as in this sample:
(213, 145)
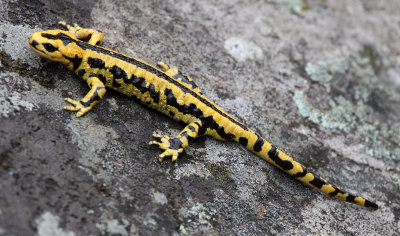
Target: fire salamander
(169, 91)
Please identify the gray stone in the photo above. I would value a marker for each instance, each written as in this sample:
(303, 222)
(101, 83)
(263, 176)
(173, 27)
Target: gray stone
(319, 79)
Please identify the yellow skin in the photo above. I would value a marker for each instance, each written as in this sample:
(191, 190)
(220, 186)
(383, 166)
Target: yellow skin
(169, 91)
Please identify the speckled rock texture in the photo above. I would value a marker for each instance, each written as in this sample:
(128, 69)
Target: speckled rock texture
(319, 79)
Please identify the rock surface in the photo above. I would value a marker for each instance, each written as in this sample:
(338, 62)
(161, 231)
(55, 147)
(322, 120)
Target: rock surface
(319, 79)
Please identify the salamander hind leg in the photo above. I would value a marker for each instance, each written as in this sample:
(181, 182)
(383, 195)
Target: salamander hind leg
(163, 66)
(174, 146)
(91, 36)
(178, 75)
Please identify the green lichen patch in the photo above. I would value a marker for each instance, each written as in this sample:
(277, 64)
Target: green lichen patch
(220, 172)
(325, 72)
(296, 6)
(354, 99)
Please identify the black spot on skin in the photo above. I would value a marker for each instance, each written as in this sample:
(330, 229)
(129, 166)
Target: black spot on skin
(153, 94)
(81, 72)
(191, 109)
(34, 43)
(76, 61)
(118, 73)
(93, 98)
(186, 108)
(334, 193)
(96, 63)
(221, 130)
(102, 78)
(87, 38)
(317, 182)
(171, 114)
(190, 139)
(243, 141)
(274, 155)
(193, 129)
(350, 198)
(92, 75)
(197, 112)
(144, 85)
(301, 174)
(140, 83)
(258, 145)
(210, 122)
(115, 84)
(370, 204)
(85, 104)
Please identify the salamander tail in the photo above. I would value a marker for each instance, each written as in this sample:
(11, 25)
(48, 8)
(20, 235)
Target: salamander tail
(278, 158)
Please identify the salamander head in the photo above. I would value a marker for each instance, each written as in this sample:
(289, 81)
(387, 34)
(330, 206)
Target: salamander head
(56, 45)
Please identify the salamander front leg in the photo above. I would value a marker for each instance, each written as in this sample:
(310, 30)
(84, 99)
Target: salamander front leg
(91, 36)
(175, 146)
(93, 97)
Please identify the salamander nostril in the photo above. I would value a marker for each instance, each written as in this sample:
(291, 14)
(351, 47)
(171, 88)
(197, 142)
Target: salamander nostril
(34, 43)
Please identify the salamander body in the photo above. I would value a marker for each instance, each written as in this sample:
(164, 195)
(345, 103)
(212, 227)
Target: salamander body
(169, 91)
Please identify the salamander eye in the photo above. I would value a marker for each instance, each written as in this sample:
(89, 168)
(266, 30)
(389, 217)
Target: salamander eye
(49, 47)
